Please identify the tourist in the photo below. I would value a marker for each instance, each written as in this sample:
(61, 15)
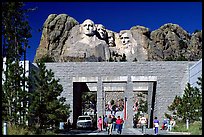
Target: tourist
(172, 123)
(164, 124)
(114, 122)
(134, 122)
(109, 121)
(143, 122)
(168, 125)
(105, 121)
(156, 126)
(100, 122)
(119, 124)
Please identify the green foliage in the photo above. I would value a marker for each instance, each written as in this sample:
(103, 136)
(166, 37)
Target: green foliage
(20, 130)
(182, 45)
(88, 97)
(195, 128)
(142, 103)
(15, 29)
(199, 82)
(13, 93)
(15, 34)
(24, 130)
(197, 31)
(189, 106)
(170, 58)
(47, 58)
(47, 107)
(181, 57)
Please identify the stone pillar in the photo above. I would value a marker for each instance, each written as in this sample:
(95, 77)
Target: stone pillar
(69, 100)
(100, 98)
(149, 102)
(128, 94)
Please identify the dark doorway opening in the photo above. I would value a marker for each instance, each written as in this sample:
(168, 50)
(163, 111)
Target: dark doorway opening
(153, 104)
(84, 102)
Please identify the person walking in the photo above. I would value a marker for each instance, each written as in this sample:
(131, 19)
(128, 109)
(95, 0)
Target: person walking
(143, 122)
(168, 125)
(119, 123)
(105, 121)
(114, 122)
(110, 124)
(122, 124)
(156, 126)
(100, 123)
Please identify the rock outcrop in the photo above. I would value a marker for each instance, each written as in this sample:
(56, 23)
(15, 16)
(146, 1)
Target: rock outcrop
(64, 39)
(55, 32)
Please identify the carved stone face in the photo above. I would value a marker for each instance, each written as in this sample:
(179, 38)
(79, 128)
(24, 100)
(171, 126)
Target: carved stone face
(111, 39)
(88, 27)
(102, 31)
(125, 39)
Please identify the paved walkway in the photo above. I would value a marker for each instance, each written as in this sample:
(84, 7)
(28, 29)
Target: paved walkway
(125, 131)
(138, 131)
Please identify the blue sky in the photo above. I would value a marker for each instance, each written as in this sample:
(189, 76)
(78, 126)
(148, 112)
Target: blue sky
(116, 16)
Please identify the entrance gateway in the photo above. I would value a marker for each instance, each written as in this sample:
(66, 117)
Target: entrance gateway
(127, 84)
(161, 80)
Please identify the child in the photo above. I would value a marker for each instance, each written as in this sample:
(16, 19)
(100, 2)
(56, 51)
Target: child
(100, 122)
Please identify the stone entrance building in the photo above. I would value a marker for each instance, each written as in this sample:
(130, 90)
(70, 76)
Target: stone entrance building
(162, 80)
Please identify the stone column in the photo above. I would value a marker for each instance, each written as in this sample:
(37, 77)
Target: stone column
(128, 94)
(149, 101)
(100, 98)
(69, 99)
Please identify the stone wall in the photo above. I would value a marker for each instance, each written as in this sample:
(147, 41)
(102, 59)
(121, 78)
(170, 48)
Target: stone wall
(170, 77)
(195, 72)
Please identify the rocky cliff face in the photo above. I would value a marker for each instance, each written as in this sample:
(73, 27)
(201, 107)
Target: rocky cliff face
(64, 39)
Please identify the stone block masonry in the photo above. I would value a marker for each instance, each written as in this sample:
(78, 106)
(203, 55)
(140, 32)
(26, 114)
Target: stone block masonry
(170, 78)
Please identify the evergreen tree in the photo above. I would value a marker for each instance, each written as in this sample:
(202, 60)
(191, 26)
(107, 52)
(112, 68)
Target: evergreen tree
(143, 103)
(189, 106)
(15, 34)
(47, 58)
(46, 106)
(88, 101)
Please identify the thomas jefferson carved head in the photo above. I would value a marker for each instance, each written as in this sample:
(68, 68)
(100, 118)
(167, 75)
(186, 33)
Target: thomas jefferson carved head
(88, 27)
(101, 31)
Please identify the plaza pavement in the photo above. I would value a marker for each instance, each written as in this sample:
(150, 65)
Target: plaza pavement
(138, 131)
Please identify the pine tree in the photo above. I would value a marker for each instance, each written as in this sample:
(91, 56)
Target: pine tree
(15, 34)
(189, 106)
(46, 106)
(143, 103)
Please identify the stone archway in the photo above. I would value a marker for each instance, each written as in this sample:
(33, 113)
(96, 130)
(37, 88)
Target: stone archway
(100, 84)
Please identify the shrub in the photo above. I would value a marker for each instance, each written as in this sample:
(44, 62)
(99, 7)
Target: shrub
(19, 130)
(194, 128)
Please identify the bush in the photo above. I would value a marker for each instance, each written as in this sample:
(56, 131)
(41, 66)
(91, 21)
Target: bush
(194, 128)
(19, 130)
(22, 130)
